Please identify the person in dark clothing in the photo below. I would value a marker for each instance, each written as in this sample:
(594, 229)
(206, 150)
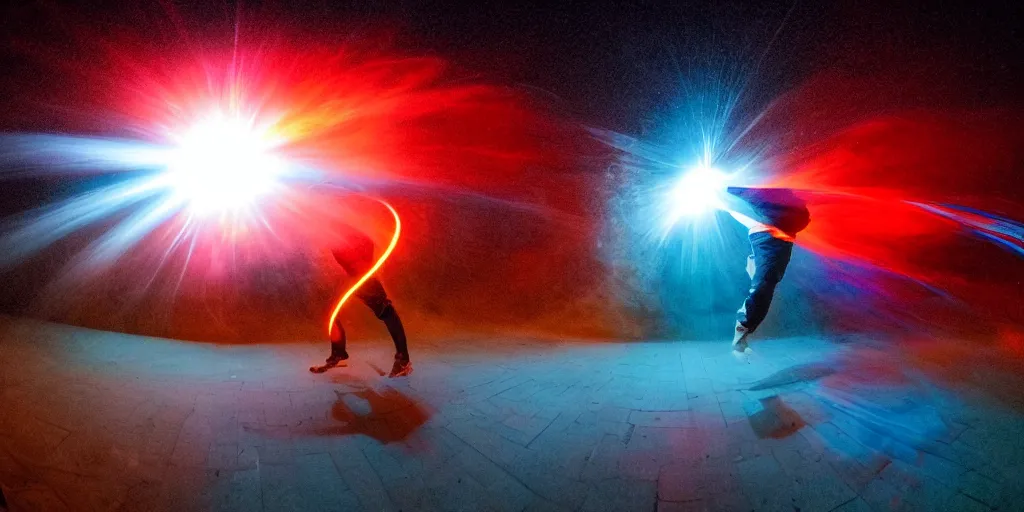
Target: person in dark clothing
(354, 253)
(773, 217)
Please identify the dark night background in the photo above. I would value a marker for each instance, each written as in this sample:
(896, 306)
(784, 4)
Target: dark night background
(612, 65)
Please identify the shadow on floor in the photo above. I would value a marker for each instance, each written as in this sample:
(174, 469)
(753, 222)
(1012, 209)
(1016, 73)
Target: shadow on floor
(386, 415)
(794, 375)
(873, 396)
(776, 419)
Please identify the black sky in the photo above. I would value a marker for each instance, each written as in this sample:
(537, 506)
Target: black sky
(610, 63)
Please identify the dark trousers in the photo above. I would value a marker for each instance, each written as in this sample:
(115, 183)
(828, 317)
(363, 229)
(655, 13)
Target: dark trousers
(373, 295)
(771, 257)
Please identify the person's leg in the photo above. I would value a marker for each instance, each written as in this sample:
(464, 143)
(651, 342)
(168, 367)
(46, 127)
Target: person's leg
(373, 295)
(339, 356)
(771, 257)
(338, 340)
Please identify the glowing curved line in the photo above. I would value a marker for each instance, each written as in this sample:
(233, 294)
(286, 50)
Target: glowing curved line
(376, 266)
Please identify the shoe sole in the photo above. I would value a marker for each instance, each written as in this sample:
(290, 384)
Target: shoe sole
(324, 368)
(402, 373)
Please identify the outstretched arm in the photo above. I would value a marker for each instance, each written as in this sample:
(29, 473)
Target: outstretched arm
(743, 219)
(754, 226)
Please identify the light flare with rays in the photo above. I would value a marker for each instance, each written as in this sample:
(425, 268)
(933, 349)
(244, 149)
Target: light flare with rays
(234, 166)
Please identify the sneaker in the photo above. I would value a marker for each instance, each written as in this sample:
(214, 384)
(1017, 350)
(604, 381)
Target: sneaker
(335, 361)
(402, 366)
(739, 339)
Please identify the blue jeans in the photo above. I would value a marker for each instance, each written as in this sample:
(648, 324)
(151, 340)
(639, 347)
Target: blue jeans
(771, 257)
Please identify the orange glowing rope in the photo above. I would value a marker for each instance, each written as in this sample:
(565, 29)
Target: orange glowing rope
(376, 266)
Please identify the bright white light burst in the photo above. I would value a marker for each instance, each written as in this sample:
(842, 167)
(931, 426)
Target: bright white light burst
(224, 164)
(697, 192)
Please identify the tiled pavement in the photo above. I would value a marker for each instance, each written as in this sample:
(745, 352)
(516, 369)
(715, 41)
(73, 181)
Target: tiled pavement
(98, 421)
